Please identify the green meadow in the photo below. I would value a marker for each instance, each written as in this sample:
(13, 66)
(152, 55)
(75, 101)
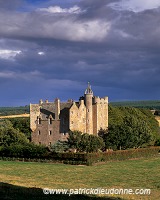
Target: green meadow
(22, 178)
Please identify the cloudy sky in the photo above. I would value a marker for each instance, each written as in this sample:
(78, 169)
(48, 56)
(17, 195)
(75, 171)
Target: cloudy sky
(52, 48)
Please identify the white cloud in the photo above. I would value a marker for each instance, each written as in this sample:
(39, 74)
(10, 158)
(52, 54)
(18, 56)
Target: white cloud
(93, 30)
(57, 9)
(8, 54)
(41, 53)
(135, 5)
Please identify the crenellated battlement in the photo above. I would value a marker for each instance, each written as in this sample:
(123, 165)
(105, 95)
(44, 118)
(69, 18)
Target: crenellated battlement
(100, 100)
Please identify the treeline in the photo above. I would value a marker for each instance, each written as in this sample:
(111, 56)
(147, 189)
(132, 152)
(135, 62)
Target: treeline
(130, 128)
(4, 111)
(152, 105)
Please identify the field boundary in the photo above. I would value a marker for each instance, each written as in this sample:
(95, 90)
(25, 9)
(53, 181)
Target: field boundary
(14, 116)
(90, 158)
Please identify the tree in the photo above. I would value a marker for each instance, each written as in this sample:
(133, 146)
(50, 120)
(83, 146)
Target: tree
(9, 135)
(74, 140)
(91, 143)
(59, 146)
(84, 142)
(129, 128)
(23, 125)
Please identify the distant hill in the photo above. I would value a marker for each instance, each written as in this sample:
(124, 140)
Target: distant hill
(152, 105)
(5, 111)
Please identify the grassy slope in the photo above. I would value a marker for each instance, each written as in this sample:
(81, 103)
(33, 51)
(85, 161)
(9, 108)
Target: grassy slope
(127, 174)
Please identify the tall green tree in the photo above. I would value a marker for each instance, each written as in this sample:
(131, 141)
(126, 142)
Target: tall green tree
(9, 135)
(84, 142)
(23, 125)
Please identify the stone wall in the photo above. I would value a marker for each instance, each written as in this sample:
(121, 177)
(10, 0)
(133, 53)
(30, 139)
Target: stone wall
(34, 112)
(100, 114)
(77, 117)
(46, 133)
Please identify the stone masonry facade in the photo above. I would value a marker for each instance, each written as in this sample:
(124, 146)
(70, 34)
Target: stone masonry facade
(51, 121)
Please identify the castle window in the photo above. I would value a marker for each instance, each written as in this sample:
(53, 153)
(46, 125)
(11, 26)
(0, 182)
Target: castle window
(39, 142)
(50, 132)
(39, 120)
(50, 121)
(63, 120)
(88, 110)
(71, 112)
(39, 132)
(72, 122)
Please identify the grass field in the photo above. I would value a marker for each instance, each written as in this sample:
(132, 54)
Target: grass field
(14, 116)
(144, 173)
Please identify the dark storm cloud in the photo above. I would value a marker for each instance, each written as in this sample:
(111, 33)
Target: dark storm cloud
(10, 5)
(53, 51)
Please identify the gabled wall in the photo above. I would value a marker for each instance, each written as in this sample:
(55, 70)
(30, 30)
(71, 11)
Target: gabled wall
(77, 117)
(41, 134)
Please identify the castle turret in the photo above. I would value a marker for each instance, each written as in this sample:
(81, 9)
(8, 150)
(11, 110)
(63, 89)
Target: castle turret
(88, 102)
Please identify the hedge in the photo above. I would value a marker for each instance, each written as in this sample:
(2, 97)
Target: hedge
(122, 155)
(91, 158)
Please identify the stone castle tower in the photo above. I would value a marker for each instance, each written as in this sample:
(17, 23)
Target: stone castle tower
(51, 121)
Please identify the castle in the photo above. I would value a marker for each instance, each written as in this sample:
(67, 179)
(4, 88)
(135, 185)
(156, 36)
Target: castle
(51, 121)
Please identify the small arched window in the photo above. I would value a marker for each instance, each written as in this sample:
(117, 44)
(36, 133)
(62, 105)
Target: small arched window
(50, 121)
(39, 120)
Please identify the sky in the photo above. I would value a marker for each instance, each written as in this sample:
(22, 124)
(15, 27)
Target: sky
(53, 48)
